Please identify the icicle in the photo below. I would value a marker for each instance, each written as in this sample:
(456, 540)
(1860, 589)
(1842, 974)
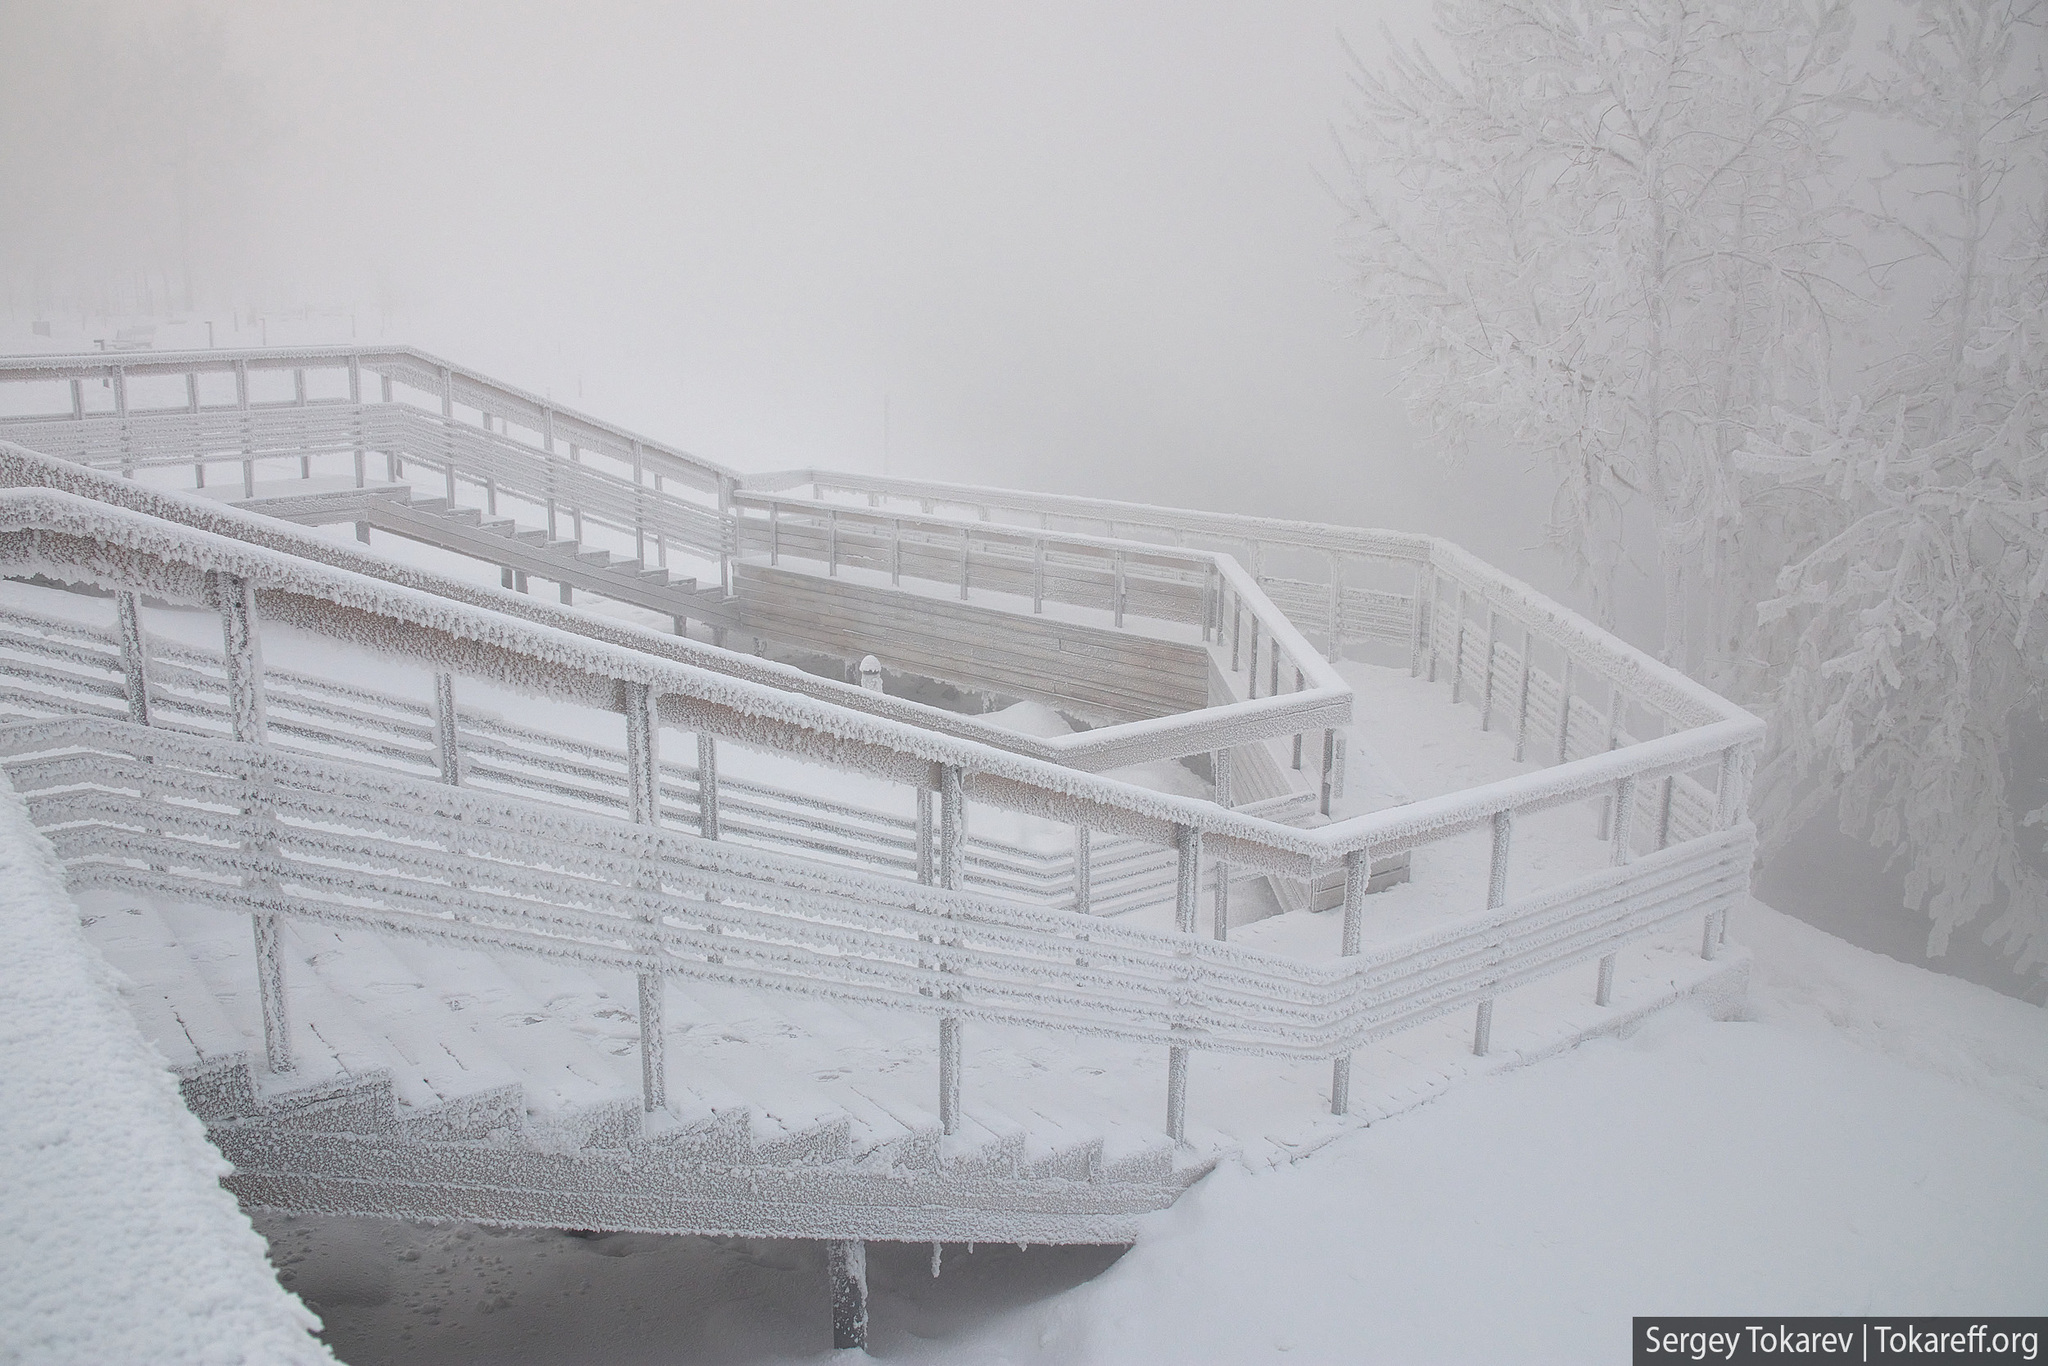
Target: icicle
(938, 1250)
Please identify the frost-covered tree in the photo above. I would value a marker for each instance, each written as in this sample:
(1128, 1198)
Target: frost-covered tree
(1916, 627)
(1596, 226)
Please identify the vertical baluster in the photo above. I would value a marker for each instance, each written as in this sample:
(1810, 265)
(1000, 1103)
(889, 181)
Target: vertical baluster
(1486, 689)
(134, 658)
(966, 559)
(242, 653)
(447, 748)
(1458, 651)
(1117, 586)
(643, 784)
(299, 397)
(832, 544)
(707, 785)
(1496, 897)
(1613, 738)
(1236, 629)
(1335, 607)
(927, 864)
(1038, 575)
(1624, 852)
(1328, 785)
(952, 873)
(355, 400)
(1188, 880)
(1564, 712)
(1357, 877)
(1177, 1092)
(1522, 699)
(393, 466)
(248, 436)
(121, 412)
(775, 533)
(1082, 871)
(895, 552)
(1300, 684)
(192, 406)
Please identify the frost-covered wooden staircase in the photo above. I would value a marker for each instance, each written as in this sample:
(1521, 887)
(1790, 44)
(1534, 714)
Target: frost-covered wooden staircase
(432, 1082)
(520, 550)
(412, 961)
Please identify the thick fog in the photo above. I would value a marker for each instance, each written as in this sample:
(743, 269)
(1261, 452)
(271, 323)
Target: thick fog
(1065, 246)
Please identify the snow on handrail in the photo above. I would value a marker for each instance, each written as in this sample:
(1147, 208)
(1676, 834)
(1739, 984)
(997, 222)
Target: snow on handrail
(1594, 648)
(247, 825)
(65, 534)
(1104, 747)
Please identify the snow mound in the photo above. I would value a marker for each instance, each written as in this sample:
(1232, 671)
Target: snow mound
(1030, 718)
(117, 1243)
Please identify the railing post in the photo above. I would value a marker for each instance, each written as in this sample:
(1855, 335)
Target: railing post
(121, 411)
(1336, 606)
(775, 533)
(1458, 652)
(355, 399)
(134, 658)
(447, 749)
(243, 655)
(1300, 684)
(1038, 575)
(299, 397)
(952, 872)
(1624, 853)
(927, 864)
(1613, 737)
(1522, 699)
(248, 437)
(1251, 673)
(1492, 646)
(1236, 629)
(832, 543)
(241, 651)
(1328, 785)
(895, 552)
(1624, 820)
(1564, 712)
(643, 783)
(1731, 797)
(1357, 877)
(1188, 880)
(952, 828)
(1496, 897)
(1118, 587)
(966, 559)
(707, 785)
(1177, 1092)
(1082, 871)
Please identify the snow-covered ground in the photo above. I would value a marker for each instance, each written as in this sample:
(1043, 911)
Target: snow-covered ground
(1873, 1139)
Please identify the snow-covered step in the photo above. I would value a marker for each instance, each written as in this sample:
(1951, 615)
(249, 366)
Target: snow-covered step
(187, 1025)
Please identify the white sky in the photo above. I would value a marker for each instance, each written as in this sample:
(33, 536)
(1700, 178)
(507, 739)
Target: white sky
(1075, 246)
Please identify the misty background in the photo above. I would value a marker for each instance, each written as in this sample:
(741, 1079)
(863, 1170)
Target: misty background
(1063, 246)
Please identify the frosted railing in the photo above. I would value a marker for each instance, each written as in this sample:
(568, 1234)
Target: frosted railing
(487, 462)
(1691, 858)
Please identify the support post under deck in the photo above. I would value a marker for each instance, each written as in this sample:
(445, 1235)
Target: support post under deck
(846, 1268)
